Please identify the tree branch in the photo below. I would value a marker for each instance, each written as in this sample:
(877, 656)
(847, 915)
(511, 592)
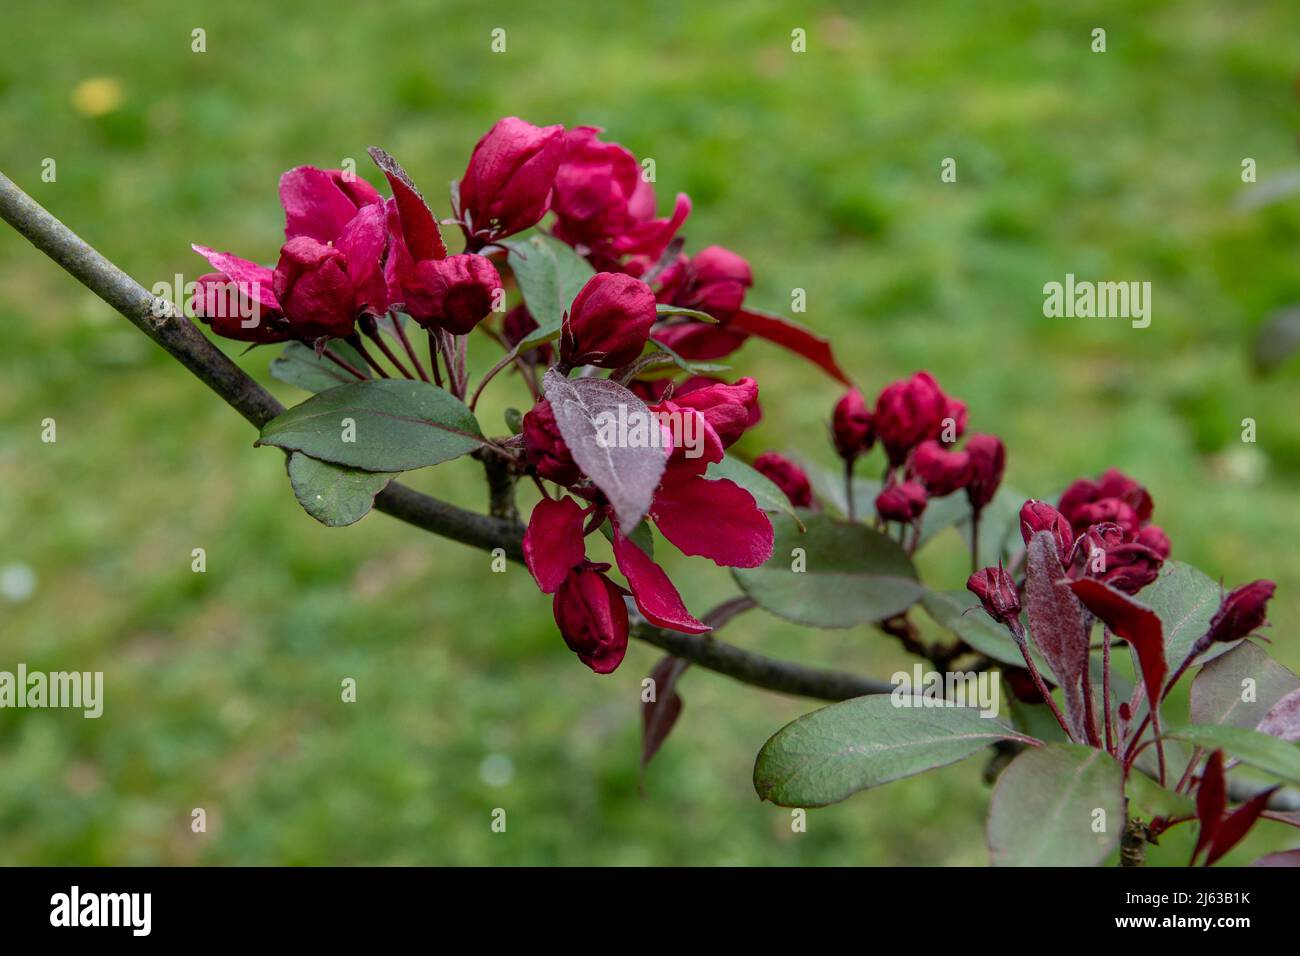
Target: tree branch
(182, 340)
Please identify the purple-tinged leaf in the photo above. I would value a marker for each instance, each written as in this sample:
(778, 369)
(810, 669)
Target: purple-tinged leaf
(1211, 800)
(628, 472)
(1283, 718)
(1232, 830)
(1217, 689)
(1134, 622)
(1057, 625)
(658, 716)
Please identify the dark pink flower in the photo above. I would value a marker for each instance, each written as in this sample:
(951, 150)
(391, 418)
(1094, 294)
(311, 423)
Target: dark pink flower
(787, 476)
(318, 203)
(988, 459)
(553, 541)
(1154, 537)
(708, 517)
(910, 411)
(609, 322)
(455, 293)
(313, 288)
(714, 280)
(592, 617)
(901, 501)
(852, 426)
(996, 590)
(545, 446)
(728, 408)
(1106, 552)
(941, 469)
(227, 298)
(507, 185)
(604, 205)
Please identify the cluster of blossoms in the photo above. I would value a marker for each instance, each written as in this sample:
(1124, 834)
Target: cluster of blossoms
(352, 257)
(918, 426)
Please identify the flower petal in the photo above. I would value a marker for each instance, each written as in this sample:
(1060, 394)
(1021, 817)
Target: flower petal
(652, 590)
(553, 542)
(314, 205)
(255, 280)
(712, 518)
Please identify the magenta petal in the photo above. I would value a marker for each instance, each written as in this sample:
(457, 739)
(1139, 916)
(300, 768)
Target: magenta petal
(255, 280)
(713, 518)
(419, 229)
(653, 592)
(363, 241)
(313, 204)
(553, 542)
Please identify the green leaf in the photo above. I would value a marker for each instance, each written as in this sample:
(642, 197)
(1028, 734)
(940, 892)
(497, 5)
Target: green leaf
(1220, 685)
(1045, 807)
(1148, 799)
(766, 494)
(832, 753)
(1185, 599)
(851, 574)
(550, 275)
(332, 494)
(1269, 754)
(665, 310)
(298, 365)
(396, 424)
(686, 365)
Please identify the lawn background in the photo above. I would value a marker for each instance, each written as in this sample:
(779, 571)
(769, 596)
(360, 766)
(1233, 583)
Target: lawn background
(821, 168)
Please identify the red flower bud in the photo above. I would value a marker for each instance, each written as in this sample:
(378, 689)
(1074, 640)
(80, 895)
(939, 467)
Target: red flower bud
(233, 312)
(997, 592)
(313, 288)
(851, 426)
(1038, 516)
(1241, 612)
(545, 446)
(942, 471)
(455, 293)
(507, 185)
(910, 411)
(901, 501)
(988, 459)
(787, 476)
(592, 617)
(609, 322)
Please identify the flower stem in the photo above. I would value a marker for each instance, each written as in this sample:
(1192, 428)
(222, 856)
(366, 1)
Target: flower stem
(354, 340)
(1105, 690)
(377, 337)
(433, 358)
(344, 364)
(1038, 682)
(406, 344)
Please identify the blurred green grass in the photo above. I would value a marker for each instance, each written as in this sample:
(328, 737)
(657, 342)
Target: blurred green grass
(821, 168)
